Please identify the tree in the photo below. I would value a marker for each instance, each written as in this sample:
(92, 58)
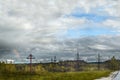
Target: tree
(2, 66)
(10, 68)
(113, 64)
(39, 69)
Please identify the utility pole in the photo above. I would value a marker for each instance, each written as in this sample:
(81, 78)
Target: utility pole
(78, 57)
(54, 64)
(77, 60)
(51, 60)
(55, 59)
(30, 57)
(99, 59)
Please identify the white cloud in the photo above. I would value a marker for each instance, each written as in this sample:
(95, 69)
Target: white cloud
(112, 23)
(101, 47)
(43, 22)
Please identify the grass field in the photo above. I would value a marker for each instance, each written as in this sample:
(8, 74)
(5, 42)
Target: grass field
(88, 75)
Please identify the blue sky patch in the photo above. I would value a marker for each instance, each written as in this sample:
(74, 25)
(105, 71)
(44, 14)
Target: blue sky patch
(96, 31)
(89, 31)
(91, 16)
(96, 15)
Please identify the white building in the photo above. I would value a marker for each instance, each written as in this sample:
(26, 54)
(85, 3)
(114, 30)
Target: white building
(9, 61)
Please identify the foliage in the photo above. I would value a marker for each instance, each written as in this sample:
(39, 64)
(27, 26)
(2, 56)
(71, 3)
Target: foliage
(58, 76)
(39, 69)
(113, 64)
(22, 72)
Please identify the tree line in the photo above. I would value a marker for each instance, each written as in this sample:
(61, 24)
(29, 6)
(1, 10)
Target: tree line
(62, 66)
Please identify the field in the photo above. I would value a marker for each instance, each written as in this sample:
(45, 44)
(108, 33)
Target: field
(68, 70)
(85, 75)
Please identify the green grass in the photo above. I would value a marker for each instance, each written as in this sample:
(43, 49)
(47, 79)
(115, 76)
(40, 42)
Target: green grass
(87, 75)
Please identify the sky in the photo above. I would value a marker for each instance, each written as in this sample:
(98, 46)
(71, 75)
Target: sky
(47, 28)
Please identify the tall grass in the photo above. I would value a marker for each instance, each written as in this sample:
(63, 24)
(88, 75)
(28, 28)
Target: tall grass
(87, 75)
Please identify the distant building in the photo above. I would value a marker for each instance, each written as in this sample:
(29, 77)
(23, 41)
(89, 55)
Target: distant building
(9, 61)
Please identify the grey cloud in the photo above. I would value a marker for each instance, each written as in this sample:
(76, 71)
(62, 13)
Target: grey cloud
(41, 24)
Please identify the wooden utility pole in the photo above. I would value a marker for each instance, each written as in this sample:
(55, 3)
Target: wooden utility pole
(99, 59)
(55, 59)
(77, 60)
(78, 57)
(30, 57)
(51, 60)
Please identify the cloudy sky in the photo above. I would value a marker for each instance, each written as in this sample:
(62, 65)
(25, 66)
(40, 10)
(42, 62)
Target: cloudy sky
(58, 27)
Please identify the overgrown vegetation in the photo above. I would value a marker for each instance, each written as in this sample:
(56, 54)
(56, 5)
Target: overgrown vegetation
(91, 75)
(65, 70)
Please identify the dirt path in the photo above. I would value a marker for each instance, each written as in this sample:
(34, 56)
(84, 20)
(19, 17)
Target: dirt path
(113, 76)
